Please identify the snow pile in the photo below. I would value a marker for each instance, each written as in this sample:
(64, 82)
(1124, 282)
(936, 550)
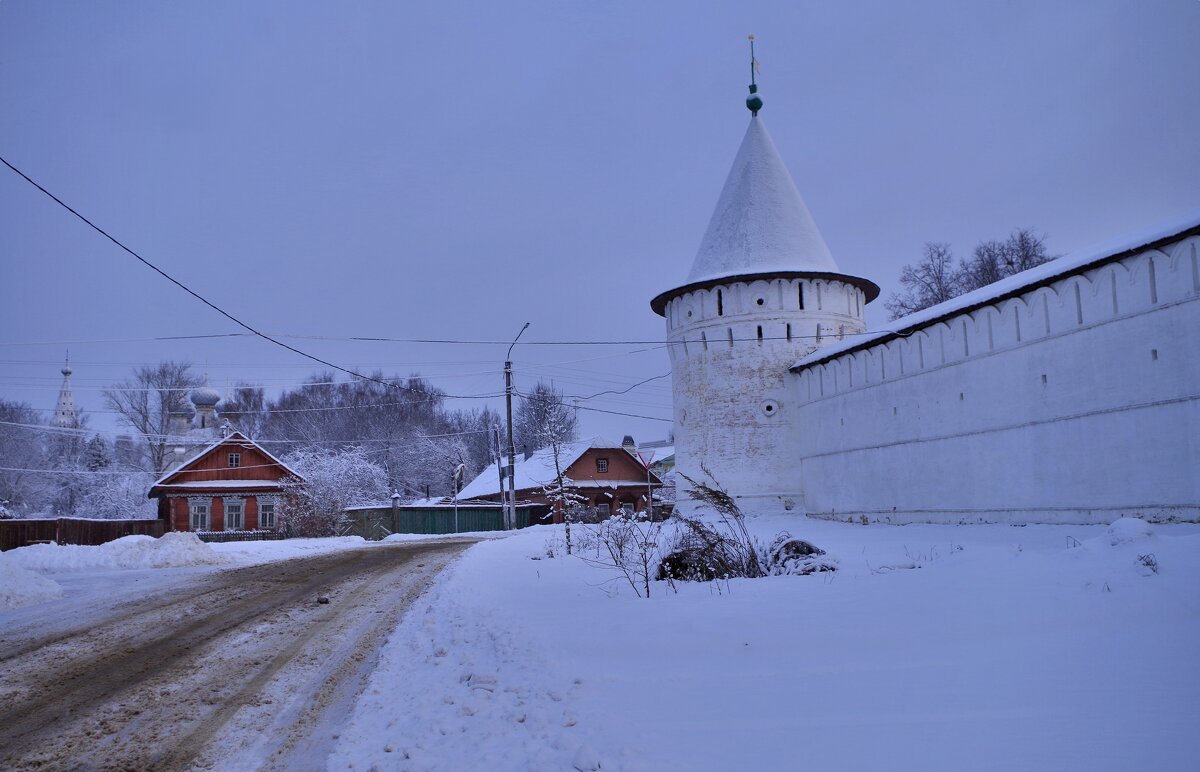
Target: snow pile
(21, 587)
(932, 647)
(1128, 529)
(168, 551)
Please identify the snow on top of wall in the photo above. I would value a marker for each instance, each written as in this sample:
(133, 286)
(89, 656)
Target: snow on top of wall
(1062, 266)
(760, 224)
(535, 472)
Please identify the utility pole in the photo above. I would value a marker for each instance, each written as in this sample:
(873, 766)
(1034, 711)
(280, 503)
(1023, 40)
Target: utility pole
(457, 480)
(510, 517)
(649, 489)
(500, 473)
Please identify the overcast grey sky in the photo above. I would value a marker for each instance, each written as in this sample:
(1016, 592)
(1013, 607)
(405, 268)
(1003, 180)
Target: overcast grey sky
(452, 170)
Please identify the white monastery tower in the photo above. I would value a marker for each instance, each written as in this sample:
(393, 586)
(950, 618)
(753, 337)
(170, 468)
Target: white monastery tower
(65, 415)
(763, 292)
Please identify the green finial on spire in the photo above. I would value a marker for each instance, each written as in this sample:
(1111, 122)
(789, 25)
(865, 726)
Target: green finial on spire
(754, 101)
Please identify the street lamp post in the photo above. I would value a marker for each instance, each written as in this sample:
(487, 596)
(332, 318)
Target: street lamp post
(510, 515)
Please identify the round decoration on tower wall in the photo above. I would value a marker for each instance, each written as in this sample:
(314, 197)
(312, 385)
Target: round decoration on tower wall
(770, 408)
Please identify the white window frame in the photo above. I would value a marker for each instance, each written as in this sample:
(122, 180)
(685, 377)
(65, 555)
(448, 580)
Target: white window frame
(235, 460)
(262, 508)
(195, 506)
(240, 503)
(601, 466)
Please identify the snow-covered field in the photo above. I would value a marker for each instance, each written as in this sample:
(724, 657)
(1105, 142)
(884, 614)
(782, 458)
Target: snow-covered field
(933, 647)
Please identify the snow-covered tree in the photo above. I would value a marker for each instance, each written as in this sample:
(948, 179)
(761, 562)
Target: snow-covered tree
(333, 480)
(542, 418)
(556, 430)
(116, 496)
(23, 486)
(96, 455)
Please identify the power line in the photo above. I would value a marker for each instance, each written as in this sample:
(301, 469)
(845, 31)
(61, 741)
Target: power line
(622, 391)
(192, 292)
(610, 412)
(272, 337)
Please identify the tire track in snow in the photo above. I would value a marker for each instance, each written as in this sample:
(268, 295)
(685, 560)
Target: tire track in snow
(150, 688)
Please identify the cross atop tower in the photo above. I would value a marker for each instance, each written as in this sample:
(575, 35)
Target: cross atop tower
(754, 101)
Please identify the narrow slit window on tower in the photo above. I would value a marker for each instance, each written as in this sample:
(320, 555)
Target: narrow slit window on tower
(800, 294)
(720, 304)
(704, 341)
(730, 331)
(789, 332)
(760, 333)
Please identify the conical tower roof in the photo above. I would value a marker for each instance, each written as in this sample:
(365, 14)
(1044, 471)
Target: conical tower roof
(760, 224)
(761, 228)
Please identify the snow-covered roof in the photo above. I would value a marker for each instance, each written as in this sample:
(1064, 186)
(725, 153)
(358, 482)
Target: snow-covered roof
(237, 437)
(1016, 284)
(761, 223)
(538, 470)
(223, 484)
(760, 228)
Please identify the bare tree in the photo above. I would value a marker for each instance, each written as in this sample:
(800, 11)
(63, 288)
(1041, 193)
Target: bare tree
(146, 401)
(1026, 249)
(542, 418)
(246, 409)
(995, 260)
(932, 280)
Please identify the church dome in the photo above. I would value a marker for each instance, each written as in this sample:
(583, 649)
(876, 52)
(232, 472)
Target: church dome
(205, 396)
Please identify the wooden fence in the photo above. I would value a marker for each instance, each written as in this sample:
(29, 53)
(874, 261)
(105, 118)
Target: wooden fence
(73, 530)
(228, 536)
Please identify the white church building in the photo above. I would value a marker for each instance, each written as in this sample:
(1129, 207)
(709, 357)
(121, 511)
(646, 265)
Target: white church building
(1066, 393)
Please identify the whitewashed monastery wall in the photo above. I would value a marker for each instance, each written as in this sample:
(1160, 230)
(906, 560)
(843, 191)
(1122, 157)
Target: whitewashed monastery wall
(1072, 402)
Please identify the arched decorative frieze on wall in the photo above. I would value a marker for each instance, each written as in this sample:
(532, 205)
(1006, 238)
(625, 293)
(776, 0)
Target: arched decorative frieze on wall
(1091, 379)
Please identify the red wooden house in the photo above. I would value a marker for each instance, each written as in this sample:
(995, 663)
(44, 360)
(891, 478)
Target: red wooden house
(231, 485)
(604, 475)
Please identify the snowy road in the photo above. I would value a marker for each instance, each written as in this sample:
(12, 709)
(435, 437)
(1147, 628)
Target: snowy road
(240, 668)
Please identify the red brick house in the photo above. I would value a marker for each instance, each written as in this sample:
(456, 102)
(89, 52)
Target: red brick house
(607, 476)
(231, 485)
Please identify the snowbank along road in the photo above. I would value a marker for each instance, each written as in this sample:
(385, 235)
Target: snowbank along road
(243, 668)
